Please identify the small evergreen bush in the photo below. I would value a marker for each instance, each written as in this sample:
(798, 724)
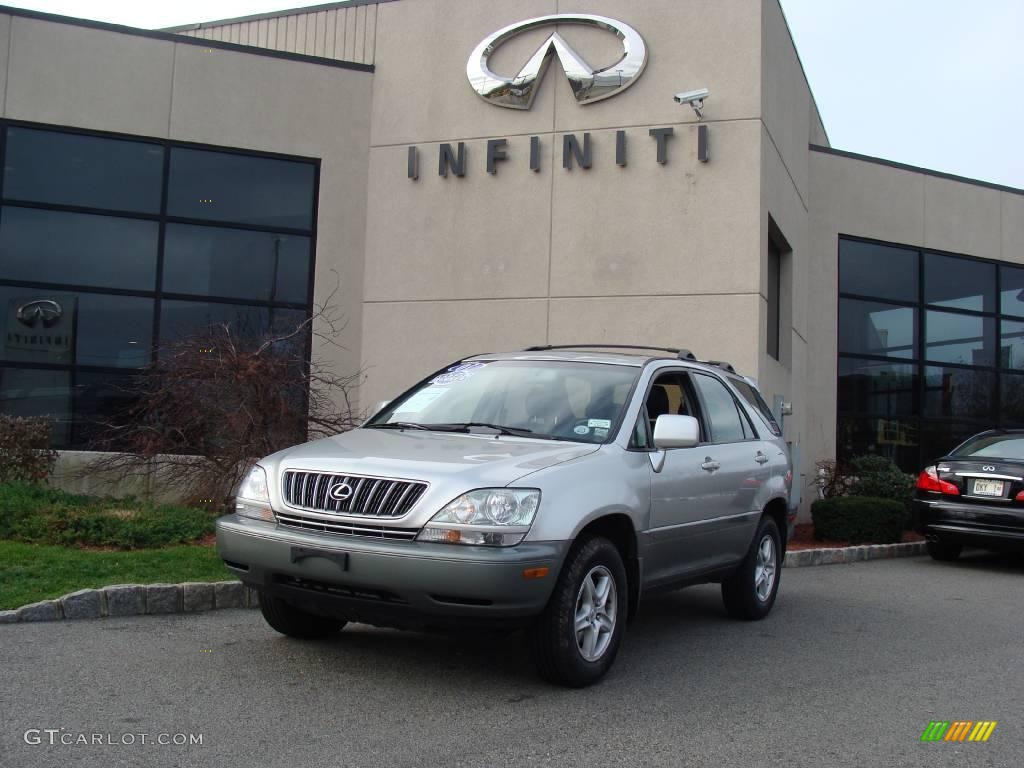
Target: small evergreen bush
(859, 519)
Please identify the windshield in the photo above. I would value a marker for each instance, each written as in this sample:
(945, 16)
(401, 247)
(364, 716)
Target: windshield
(580, 402)
(992, 447)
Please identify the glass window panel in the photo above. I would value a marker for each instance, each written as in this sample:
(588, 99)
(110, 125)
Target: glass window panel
(1012, 344)
(885, 389)
(1011, 286)
(1011, 407)
(97, 400)
(720, 409)
(181, 319)
(938, 438)
(77, 248)
(247, 190)
(69, 328)
(961, 283)
(959, 392)
(896, 439)
(71, 169)
(32, 392)
(956, 338)
(874, 328)
(883, 271)
(236, 264)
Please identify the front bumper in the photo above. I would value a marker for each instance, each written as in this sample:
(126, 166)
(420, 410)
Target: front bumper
(982, 525)
(404, 584)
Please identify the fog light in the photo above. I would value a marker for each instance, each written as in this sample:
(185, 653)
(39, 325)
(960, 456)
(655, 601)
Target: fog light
(254, 511)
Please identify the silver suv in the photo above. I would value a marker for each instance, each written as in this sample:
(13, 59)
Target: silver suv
(547, 489)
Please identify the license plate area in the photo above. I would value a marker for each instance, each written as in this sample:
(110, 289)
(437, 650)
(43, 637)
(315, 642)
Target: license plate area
(987, 488)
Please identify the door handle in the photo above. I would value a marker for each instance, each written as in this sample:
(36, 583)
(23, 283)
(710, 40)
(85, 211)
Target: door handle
(760, 458)
(710, 465)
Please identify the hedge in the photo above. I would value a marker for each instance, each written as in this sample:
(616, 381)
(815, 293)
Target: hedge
(859, 519)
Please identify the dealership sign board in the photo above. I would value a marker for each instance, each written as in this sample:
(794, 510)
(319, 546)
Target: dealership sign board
(41, 324)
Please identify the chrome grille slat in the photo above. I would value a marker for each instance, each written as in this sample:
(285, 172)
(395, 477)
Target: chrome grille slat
(373, 497)
(371, 531)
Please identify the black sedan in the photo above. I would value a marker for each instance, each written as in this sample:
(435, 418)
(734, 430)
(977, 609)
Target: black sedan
(974, 496)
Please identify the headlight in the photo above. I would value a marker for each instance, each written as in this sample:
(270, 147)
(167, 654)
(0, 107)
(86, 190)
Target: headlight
(254, 496)
(497, 517)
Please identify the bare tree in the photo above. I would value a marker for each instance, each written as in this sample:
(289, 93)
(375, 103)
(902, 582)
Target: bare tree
(219, 398)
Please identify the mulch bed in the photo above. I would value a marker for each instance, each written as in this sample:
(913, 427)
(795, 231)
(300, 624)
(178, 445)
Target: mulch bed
(803, 538)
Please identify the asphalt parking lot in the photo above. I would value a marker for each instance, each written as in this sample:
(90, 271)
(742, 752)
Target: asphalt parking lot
(847, 671)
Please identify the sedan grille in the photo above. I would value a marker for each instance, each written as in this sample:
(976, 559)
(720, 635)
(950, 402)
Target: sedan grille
(351, 494)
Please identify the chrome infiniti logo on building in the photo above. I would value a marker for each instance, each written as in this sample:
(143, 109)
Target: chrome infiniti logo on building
(46, 311)
(340, 492)
(587, 84)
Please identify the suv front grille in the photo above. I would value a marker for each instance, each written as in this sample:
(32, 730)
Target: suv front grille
(368, 497)
(308, 523)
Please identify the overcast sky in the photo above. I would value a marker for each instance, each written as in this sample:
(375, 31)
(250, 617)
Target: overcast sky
(934, 83)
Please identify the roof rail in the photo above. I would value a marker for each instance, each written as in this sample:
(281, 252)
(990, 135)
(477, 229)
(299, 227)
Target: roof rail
(682, 354)
(720, 364)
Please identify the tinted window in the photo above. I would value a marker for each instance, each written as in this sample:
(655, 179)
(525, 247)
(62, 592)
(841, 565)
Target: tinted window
(882, 271)
(958, 392)
(884, 389)
(874, 328)
(896, 439)
(221, 186)
(994, 446)
(1011, 285)
(32, 392)
(720, 409)
(956, 338)
(959, 283)
(938, 438)
(236, 263)
(77, 248)
(97, 399)
(1011, 405)
(1012, 344)
(75, 328)
(753, 397)
(66, 168)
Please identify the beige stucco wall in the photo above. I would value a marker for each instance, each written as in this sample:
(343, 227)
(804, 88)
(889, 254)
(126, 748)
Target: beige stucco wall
(643, 254)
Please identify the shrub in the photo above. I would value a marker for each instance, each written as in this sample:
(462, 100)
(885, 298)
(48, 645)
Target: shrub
(25, 453)
(859, 519)
(39, 515)
(878, 477)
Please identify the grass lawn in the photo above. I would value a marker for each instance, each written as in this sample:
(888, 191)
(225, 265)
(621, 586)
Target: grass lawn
(32, 572)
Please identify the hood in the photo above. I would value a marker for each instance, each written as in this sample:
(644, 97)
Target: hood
(439, 458)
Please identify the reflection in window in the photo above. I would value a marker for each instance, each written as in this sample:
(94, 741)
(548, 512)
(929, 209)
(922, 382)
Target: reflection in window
(938, 438)
(958, 392)
(1011, 403)
(956, 338)
(959, 283)
(223, 186)
(78, 249)
(721, 410)
(1011, 286)
(236, 263)
(88, 171)
(869, 386)
(874, 328)
(896, 439)
(36, 392)
(881, 271)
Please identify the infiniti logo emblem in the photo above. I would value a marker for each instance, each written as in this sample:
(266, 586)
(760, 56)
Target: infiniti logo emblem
(588, 85)
(989, 468)
(46, 310)
(340, 492)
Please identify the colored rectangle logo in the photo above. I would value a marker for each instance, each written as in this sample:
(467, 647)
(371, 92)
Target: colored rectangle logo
(958, 730)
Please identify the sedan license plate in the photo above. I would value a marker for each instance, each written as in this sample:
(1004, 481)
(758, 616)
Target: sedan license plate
(988, 488)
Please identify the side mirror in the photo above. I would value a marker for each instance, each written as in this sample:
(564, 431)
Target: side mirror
(676, 432)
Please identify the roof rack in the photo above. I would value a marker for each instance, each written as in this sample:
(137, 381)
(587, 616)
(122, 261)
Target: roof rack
(682, 354)
(720, 364)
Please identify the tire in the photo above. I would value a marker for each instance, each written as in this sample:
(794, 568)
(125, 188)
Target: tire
(289, 620)
(944, 550)
(745, 594)
(559, 651)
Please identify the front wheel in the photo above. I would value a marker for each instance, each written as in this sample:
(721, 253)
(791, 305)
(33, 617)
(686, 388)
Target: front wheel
(576, 638)
(289, 620)
(750, 592)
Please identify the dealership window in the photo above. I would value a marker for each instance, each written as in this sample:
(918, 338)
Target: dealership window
(931, 350)
(777, 293)
(111, 245)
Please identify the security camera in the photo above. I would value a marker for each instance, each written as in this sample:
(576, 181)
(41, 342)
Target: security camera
(694, 98)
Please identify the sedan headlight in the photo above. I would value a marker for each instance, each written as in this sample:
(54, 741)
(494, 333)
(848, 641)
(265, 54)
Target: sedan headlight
(254, 496)
(496, 517)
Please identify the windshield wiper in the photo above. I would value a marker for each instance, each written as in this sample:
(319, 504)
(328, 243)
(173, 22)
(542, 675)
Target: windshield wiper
(503, 430)
(398, 425)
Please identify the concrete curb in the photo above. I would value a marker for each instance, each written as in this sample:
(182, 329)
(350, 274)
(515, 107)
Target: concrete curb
(832, 555)
(137, 600)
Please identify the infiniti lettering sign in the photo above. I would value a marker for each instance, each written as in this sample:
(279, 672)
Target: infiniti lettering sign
(40, 324)
(588, 85)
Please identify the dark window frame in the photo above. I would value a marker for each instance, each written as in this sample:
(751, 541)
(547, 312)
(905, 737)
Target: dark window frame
(162, 219)
(920, 362)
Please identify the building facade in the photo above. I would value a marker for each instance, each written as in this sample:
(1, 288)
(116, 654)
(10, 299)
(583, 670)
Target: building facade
(243, 170)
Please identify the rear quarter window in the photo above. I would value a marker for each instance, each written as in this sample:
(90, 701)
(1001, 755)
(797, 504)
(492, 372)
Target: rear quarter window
(753, 397)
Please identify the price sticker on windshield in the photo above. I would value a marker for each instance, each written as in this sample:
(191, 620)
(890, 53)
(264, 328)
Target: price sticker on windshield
(457, 373)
